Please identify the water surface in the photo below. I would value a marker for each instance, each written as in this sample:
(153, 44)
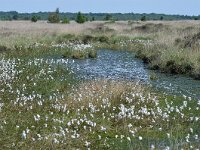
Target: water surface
(115, 65)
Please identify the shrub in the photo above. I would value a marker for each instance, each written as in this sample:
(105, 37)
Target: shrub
(80, 18)
(108, 17)
(34, 19)
(143, 18)
(54, 17)
(103, 39)
(15, 17)
(65, 21)
(87, 38)
(93, 19)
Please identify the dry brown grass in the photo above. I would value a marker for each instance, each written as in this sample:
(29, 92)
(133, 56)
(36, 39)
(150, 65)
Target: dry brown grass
(161, 32)
(97, 91)
(23, 32)
(42, 27)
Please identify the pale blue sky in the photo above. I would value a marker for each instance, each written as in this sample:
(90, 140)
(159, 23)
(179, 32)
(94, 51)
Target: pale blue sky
(183, 7)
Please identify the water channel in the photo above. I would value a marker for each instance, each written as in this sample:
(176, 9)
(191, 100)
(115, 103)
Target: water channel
(122, 65)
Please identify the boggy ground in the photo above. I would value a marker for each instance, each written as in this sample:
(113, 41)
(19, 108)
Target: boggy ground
(170, 46)
(43, 105)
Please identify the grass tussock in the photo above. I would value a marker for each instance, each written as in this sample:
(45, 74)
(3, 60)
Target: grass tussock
(80, 54)
(151, 28)
(97, 115)
(175, 52)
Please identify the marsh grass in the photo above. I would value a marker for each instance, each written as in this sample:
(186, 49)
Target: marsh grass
(98, 115)
(170, 59)
(177, 55)
(80, 54)
(31, 82)
(172, 47)
(43, 105)
(51, 50)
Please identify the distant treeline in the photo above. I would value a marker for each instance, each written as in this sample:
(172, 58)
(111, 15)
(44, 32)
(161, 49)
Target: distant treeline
(13, 15)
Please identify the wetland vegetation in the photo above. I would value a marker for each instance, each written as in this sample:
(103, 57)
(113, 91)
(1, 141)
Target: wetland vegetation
(44, 104)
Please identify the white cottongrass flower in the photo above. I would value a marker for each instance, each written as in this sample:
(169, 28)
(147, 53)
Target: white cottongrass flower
(24, 135)
(130, 125)
(37, 117)
(128, 138)
(191, 130)
(168, 135)
(55, 141)
(87, 143)
(167, 148)
(152, 147)
(140, 138)
(103, 128)
(196, 137)
(187, 138)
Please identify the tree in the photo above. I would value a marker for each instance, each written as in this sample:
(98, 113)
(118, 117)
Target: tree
(161, 18)
(15, 17)
(34, 19)
(80, 18)
(57, 11)
(7, 18)
(108, 17)
(93, 19)
(54, 17)
(143, 18)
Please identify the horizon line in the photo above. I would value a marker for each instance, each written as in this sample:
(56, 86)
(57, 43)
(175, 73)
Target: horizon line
(101, 13)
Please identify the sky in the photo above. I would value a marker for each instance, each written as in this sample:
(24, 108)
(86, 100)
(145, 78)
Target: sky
(181, 7)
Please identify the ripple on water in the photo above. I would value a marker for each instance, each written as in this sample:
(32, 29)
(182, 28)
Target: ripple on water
(122, 65)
